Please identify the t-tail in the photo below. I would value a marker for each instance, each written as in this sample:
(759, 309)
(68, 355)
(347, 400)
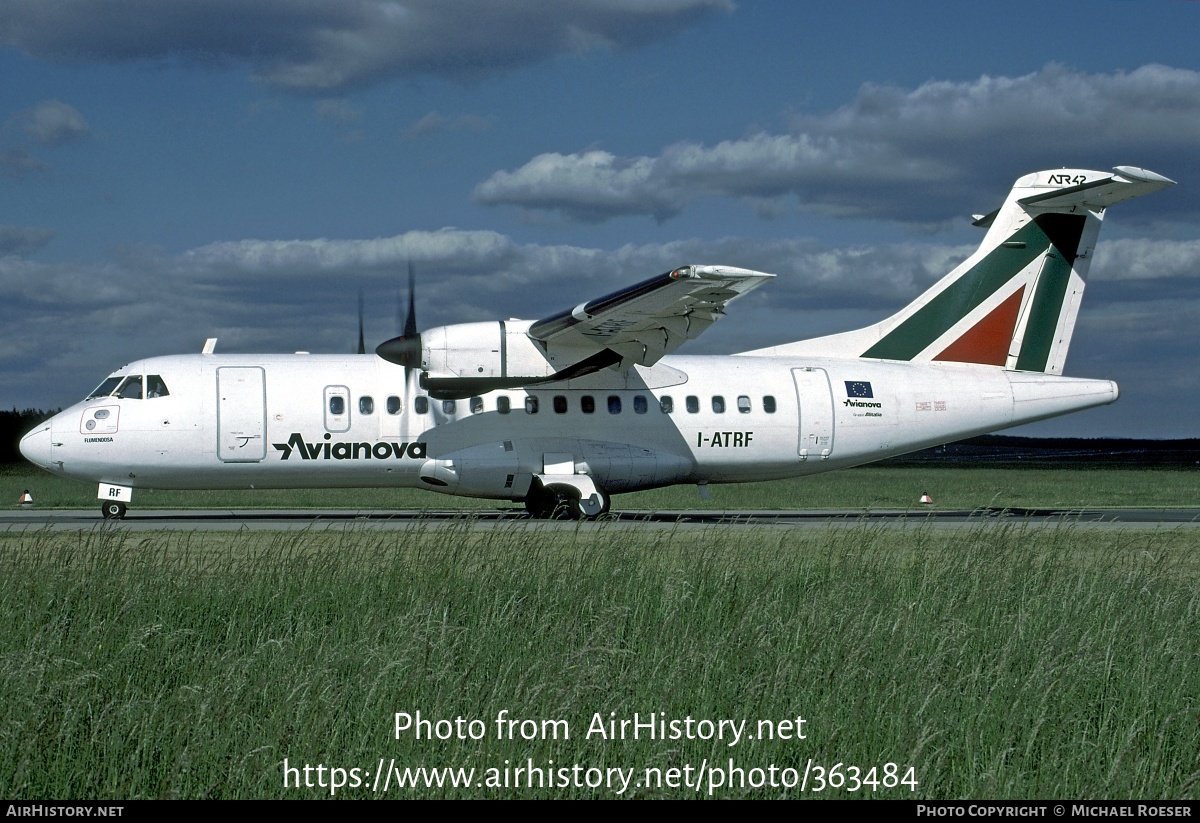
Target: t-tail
(1013, 303)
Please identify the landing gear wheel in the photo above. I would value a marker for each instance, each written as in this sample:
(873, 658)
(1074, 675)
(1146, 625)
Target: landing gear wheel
(540, 503)
(562, 502)
(566, 507)
(112, 510)
(573, 509)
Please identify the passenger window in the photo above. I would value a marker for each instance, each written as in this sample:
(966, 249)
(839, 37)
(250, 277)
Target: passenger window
(337, 404)
(476, 405)
(503, 404)
(718, 404)
(366, 405)
(639, 404)
(449, 407)
(155, 387)
(614, 404)
(560, 404)
(693, 404)
(393, 404)
(666, 404)
(744, 404)
(421, 405)
(531, 404)
(587, 404)
(769, 404)
(131, 389)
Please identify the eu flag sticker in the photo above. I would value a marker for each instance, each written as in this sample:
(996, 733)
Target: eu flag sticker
(858, 388)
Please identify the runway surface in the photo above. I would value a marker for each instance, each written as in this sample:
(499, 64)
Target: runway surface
(516, 518)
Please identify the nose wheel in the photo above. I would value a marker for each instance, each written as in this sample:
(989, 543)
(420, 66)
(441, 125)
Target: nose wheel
(112, 510)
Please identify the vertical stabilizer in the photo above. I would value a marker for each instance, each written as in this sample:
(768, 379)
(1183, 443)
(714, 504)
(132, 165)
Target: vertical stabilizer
(1013, 303)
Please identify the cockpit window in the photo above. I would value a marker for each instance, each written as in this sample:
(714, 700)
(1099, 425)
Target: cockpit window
(131, 389)
(155, 387)
(105, 388)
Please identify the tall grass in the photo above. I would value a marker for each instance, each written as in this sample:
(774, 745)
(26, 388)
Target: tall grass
(1000, 662)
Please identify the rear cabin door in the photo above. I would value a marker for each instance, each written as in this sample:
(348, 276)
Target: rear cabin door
(241, 414)
(815, 401)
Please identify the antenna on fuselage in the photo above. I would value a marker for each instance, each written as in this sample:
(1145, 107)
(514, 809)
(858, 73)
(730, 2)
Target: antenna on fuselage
(210, 345)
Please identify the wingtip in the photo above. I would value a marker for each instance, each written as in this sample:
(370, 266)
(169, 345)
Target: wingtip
(1141, 175)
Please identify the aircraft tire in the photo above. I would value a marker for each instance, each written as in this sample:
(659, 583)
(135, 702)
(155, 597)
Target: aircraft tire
(561, 504)
(573, 509)
(540, 503)
(112, 510)
(565, 507)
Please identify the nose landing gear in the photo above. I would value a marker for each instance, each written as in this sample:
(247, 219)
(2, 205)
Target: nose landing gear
(112, 509)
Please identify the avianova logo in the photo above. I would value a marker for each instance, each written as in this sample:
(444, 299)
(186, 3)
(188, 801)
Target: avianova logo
(858, 404)
(348, 451)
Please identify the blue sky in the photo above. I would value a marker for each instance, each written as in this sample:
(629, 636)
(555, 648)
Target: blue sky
(176, 171)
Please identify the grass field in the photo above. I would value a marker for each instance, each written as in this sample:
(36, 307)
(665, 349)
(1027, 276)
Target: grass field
(1000, 662)
(866, 487)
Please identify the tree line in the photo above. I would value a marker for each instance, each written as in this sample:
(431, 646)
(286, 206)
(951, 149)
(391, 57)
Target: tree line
(13, 426)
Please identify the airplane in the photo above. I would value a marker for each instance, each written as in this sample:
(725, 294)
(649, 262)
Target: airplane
(564, 412)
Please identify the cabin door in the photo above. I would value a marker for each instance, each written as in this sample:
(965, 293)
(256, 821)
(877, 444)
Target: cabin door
(241, 414)
(814, 399)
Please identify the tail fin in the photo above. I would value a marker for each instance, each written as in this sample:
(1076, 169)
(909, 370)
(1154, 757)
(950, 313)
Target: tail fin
(1012, 303)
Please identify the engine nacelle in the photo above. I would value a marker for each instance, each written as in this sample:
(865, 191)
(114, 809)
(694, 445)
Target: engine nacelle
(496, 350)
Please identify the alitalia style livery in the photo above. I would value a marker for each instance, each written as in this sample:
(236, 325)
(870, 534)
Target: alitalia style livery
(566, 411)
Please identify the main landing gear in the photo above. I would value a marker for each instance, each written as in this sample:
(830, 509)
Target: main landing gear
(561, 502)
(112, 509)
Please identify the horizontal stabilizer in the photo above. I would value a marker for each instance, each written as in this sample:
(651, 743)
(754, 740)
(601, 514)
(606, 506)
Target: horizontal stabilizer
(1127, 183)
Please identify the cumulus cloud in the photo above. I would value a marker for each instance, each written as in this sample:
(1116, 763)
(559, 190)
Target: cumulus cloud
(49, 123)
(17, 164)
(53, 122)
(450, 249)
(909, 155)
(590, 186)
(21, 240)
(314, 46)
(1143, 259)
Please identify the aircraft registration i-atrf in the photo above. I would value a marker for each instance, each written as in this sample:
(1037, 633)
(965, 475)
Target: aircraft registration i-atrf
(566, 411)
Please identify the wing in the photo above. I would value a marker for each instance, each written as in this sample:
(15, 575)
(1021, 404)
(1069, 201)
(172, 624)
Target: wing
(647, 320)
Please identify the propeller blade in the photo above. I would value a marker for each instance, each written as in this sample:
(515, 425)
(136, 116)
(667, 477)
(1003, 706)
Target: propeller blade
(410, 323)
(405, 350)
(362, 345)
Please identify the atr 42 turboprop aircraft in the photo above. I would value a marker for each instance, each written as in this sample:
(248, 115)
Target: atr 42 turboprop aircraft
(564, 412)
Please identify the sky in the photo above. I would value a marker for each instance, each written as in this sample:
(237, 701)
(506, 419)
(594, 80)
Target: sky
(171, 172)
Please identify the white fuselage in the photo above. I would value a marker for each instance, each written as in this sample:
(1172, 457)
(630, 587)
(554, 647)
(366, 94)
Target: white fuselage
(290, 421)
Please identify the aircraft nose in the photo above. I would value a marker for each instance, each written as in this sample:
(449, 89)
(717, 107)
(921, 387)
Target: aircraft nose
(36, 445)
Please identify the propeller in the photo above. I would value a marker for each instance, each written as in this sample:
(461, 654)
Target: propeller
(405, 350)
(362, 346)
